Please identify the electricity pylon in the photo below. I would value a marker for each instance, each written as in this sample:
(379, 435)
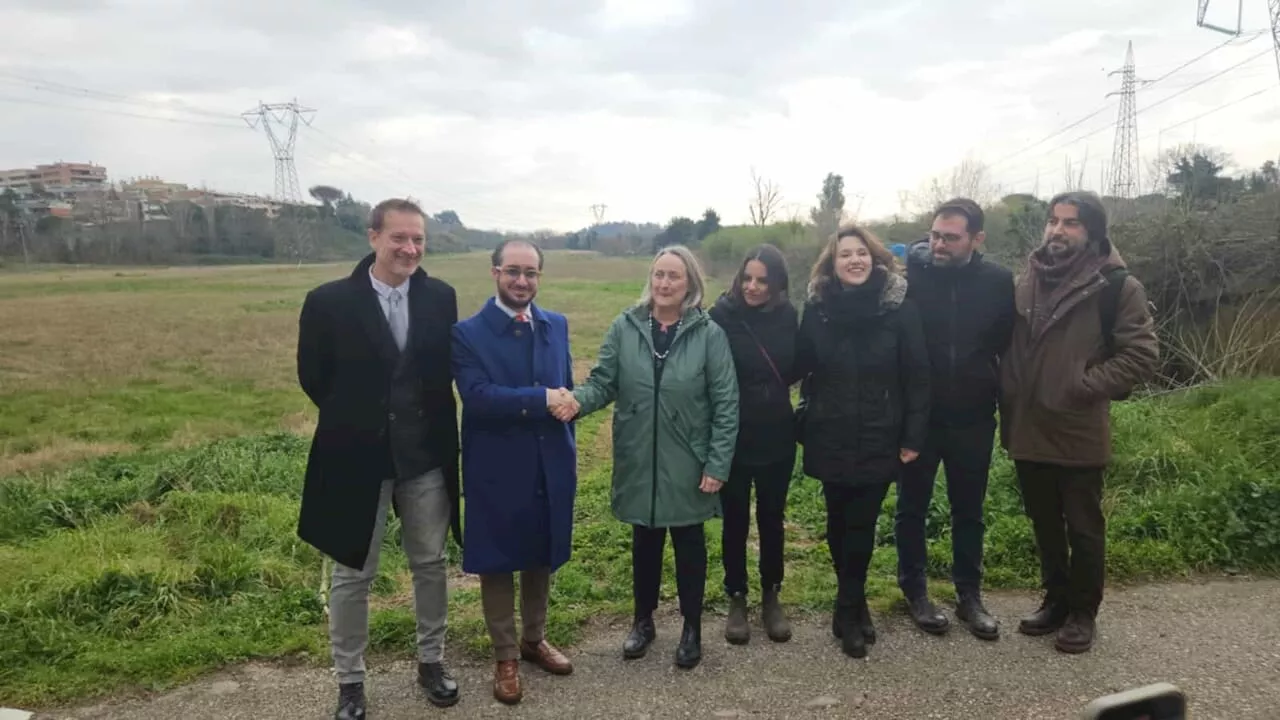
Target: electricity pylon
(1124, 156)
(280, 120)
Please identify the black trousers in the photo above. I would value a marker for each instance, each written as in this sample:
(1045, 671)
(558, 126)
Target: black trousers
(964, 451)
(771, 483)
(690, 547)
(852, 511)
(1065, 507)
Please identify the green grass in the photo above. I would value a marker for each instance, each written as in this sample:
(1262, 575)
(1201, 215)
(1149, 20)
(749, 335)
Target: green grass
(153, 440)
(145, 569)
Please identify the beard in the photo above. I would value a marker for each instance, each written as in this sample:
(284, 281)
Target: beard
(512, 302)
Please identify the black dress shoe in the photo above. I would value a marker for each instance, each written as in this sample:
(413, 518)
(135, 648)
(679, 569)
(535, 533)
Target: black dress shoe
(639, 639)
(927, 616)
(981, 624)
(350, 702)
(689, 651)
(1051, 616)
(442, 690)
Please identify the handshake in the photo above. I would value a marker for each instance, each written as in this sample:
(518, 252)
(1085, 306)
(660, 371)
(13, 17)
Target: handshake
(562, 404)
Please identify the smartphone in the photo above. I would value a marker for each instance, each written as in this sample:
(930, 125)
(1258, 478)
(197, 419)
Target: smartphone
(1161, 701)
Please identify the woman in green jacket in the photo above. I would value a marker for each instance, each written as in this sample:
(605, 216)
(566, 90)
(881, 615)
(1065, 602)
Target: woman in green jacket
(669, 372)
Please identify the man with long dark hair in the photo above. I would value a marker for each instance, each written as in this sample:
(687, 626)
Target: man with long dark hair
(966, 305)
(1083, 336)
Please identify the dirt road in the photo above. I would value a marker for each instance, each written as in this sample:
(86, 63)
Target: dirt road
(1219, 641)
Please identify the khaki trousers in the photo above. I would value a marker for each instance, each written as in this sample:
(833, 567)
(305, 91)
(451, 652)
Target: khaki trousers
(498, 597)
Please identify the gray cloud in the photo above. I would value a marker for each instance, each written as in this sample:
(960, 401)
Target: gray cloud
(489, 103)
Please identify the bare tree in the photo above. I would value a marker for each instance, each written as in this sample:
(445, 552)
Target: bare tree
(971, 179)
(1072, 177)
(766, 200)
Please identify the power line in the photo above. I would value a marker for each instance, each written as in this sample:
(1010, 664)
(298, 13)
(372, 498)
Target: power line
(185, 121)
(1216, 75)
(1107, 106)
(1223, 106)
(86, 93)
(1180, 123)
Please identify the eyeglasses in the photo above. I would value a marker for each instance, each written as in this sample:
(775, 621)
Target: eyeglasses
(514, 273)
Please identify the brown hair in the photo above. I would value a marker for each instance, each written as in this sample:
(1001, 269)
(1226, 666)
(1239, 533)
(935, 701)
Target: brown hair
(378, 215)
(824, 270)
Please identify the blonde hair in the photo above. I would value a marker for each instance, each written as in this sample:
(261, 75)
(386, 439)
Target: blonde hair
(693, 274)
(824, 270)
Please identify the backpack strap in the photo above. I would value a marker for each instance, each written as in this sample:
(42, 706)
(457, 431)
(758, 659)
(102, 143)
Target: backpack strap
(1109, 305)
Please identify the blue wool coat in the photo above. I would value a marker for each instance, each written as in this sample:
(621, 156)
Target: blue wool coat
(519, 464)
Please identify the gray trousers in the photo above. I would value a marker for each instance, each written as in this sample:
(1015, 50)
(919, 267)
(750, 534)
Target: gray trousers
(423, 504)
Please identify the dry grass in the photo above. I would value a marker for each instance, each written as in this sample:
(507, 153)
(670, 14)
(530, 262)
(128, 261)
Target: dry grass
(102, 360)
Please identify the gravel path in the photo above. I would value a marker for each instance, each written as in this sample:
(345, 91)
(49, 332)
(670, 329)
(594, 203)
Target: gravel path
(1219, 641)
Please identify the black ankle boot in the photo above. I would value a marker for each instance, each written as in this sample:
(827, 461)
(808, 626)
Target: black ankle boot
(865, 625)
(689, 652)
(638, 640)
(852, 641)
(838, 621)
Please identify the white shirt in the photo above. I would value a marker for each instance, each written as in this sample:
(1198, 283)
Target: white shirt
(384, 294)
(528, 312)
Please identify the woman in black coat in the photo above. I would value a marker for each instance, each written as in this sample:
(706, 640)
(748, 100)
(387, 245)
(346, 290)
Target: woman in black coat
(865, 402)
(761, 323)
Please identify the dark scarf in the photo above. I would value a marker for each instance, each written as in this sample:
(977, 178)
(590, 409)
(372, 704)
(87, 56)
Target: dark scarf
(1055, 277)
(853, 305)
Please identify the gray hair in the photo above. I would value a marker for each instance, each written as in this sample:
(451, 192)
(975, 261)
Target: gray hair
(693, 274)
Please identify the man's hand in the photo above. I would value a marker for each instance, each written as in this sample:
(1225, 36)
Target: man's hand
(710, 484)
(561, 404)
(907, 456)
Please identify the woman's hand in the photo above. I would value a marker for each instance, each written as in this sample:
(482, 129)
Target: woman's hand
(562, 404)
(710, 484)
(907, 456)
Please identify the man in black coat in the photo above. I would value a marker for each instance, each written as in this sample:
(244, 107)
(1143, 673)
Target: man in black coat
(374, 356)
(967, 308)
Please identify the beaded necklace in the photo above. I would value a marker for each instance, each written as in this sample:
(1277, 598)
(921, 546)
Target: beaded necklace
(675, 327)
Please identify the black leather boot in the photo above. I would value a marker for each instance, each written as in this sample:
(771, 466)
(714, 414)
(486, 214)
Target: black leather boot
(350, 702)
(837, 621)
(971, 612)
(1077, 635)
(442, 689)
(639, 639)
(927, 616)
(865, 625)
(689, 651)
(1051, 616)
(852, 642)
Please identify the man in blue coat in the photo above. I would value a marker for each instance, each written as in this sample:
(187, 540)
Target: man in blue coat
(511, 362)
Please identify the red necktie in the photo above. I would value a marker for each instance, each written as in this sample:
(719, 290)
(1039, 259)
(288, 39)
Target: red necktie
(520, 317)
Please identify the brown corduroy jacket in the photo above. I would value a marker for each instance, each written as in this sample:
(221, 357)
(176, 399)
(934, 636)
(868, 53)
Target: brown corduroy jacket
(1056, 385)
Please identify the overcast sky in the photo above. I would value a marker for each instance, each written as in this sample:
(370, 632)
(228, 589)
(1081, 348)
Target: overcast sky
(522, 114)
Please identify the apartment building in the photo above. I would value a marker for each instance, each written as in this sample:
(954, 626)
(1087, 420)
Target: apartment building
(57, 177)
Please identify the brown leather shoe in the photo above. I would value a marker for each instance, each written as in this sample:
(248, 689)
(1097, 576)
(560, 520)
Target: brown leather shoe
(546, 657)
(506, 682)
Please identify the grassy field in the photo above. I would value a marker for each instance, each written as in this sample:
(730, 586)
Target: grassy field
(152, 441)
